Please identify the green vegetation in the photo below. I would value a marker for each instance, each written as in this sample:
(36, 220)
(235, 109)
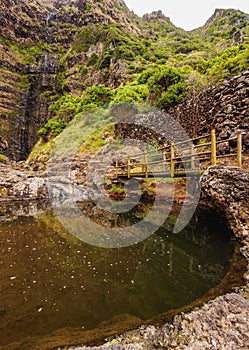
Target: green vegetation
(3, 158)
(164, 65)
(167, 86)
(53, 128)
(116, 190)
(98, 139)
(131, 93)
(156, 63)
(230, 62)
(40, 154)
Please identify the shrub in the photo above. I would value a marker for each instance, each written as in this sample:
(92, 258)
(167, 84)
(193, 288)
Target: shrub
(174, 94)
(167, 86)
(106, 58)
(65, 107)
(52, 128)
(93, 97)
(163, 77)
(130, 94)
(143, 78)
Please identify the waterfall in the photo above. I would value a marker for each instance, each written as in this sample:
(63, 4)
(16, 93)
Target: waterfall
(36, 114)
(45, 63)
(50, 17)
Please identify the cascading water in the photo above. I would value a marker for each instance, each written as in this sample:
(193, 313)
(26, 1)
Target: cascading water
(37, 102)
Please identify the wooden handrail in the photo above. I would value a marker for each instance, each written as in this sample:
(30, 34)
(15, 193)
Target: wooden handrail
(172, 163)
(174, 159)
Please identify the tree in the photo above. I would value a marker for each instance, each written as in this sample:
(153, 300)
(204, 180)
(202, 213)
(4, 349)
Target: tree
(167, 86)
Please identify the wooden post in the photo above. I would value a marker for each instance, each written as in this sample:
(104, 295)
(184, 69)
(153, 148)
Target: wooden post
(146, 167)
(192, 157)
(129, 168)
(172, 163)
(116, 168)
(171, 248)
(144, 162)
(164, 160)
(239, 150)
(213, 147)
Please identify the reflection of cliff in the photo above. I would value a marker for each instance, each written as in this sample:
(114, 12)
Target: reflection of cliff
(59, 281)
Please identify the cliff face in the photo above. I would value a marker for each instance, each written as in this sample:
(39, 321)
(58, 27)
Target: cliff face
(24, 101)
(226, 26)
(33, 37)
(226, 190)
(33, 20)
(22, 20)
(21, 29)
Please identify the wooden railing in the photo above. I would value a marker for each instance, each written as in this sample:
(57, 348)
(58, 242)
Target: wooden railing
(182, 158)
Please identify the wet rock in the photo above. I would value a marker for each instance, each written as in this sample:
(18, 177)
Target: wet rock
(19, 184)
(227, 190)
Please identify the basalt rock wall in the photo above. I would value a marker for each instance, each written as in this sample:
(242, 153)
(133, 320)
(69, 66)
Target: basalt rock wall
(223, 107)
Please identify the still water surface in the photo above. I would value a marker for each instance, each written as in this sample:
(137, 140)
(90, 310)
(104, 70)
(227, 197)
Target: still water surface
(50, 280)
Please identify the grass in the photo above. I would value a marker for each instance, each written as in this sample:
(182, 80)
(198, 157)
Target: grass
(97, 139)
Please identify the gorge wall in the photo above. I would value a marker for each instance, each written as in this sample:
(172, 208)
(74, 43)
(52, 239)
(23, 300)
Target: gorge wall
(33, 37)
(24, 100)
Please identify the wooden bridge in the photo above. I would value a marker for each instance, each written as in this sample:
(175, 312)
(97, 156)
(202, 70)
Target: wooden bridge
(186, 158)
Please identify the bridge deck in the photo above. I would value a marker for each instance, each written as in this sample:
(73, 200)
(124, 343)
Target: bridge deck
(157, 174)
(177, 157)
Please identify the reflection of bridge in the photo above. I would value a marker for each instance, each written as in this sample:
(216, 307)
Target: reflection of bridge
(181, 159)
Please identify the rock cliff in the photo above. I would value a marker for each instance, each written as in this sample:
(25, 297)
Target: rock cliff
(226, 190)
(33, 36)
(55, 49)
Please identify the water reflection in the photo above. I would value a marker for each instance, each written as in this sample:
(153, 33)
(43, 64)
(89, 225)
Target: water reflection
(50, 280)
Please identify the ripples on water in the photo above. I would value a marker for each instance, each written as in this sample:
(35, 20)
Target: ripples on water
(50, 280)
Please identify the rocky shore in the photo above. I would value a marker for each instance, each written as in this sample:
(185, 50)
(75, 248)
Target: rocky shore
(220, 324)
(19, 183)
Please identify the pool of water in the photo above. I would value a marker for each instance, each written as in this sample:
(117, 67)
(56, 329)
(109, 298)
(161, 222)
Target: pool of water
(50, 280)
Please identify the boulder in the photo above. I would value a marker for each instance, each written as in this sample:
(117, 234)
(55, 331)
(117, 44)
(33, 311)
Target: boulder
(21, 185)
(226, 190)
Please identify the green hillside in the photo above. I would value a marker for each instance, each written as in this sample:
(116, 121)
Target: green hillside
(100, 52)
